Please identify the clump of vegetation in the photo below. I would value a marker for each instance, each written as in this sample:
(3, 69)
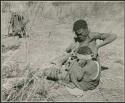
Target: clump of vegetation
(31, 87)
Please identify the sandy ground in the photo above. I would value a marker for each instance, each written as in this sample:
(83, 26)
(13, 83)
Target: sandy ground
(47, 41)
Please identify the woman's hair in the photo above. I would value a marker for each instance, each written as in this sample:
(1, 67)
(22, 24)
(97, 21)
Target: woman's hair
(80, 24)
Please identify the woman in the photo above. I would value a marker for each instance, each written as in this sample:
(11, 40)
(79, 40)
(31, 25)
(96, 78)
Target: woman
(84, 77)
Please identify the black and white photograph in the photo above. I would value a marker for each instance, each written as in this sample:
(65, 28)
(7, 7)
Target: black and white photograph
(62, 51)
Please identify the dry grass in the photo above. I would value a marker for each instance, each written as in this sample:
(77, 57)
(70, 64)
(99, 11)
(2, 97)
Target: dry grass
(26, 88)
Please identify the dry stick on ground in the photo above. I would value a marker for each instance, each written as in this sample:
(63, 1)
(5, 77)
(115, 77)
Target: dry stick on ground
(32, 23)
(27, 46)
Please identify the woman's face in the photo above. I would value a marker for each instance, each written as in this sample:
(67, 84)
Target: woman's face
(82, 34)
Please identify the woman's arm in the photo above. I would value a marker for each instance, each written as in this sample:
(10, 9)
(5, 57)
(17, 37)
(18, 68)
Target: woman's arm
(70, 47)
(106, 37)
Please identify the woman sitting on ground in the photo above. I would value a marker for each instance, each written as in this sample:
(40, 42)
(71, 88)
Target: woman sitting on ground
(84, 38)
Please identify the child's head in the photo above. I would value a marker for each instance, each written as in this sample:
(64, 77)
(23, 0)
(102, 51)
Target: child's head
(85, 50)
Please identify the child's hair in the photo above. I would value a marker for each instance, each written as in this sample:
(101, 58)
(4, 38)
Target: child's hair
(85, 50)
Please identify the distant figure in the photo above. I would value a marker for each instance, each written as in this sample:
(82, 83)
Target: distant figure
(82, 64)
(17, 25)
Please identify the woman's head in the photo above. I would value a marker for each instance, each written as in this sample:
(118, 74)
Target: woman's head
(79, 24)
(80, 28)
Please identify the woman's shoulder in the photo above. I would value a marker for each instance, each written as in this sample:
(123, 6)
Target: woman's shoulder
(93, 34)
